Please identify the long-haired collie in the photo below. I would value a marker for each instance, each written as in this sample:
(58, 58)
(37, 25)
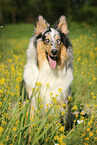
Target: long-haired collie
(49, 61)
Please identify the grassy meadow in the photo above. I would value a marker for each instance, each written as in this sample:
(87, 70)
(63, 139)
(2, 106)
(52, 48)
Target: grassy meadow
(16, 124)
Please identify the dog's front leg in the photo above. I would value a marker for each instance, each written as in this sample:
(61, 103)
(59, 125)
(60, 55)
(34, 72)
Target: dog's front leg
(69, 118)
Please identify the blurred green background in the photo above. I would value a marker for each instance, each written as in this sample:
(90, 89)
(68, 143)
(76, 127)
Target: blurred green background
(17, 11)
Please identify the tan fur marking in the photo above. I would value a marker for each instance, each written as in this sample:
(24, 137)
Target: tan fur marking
(57, 37)
(41, 53)
(41, 25)
(62, 25)
(47, 48)
(48, 37)
(62, 57)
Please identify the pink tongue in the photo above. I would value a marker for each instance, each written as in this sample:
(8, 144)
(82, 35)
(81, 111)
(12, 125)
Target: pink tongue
(52, 62)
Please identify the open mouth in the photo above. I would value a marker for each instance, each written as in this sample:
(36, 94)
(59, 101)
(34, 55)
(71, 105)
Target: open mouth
(52, 60)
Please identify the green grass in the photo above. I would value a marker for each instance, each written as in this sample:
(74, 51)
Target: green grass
(16, 124)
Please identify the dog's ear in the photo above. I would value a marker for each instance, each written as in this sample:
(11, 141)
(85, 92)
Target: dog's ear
(62, 25)
(41, 24)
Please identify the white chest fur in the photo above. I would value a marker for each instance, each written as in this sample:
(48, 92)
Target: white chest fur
(54, 77)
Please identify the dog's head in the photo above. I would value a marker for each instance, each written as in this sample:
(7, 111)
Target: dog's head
(52, 42)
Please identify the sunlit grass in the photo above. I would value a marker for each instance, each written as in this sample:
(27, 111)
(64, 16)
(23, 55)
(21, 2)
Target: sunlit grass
(17, 126)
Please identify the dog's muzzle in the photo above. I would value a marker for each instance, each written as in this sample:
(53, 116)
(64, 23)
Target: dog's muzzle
(54, 52)
(52, 59)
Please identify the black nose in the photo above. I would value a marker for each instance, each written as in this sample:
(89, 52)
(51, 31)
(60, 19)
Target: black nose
(54, 51)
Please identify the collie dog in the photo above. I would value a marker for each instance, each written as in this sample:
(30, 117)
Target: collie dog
(49, 61)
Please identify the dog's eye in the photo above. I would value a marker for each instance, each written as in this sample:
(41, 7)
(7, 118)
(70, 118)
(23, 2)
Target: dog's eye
(58, 41)
(47, 41)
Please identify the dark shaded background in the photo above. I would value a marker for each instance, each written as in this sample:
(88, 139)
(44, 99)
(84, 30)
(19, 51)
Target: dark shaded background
(16, 11)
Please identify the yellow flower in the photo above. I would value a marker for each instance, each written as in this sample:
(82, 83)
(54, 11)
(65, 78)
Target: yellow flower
(47, 124)
(54, 100)
(33, 89)
(17, 122)
(76, 115)
(63, 143)
(69, 98)
(38, 83)
(92, 93)
(1, 129)
(83, 134)
(57, 106)
(91, 134)
(79, 59)
(95, 138)
(94, 97)
(14, 129)
(51, 105)
(86, 139)
(61, 128)
(75, 107)
(63, 113)
(1, 91)
(47, 85)
(2, 81)
(10, 60)
(18, 79)
(55, 137)
(96, 48)
(19, 103)
(88, 129)
(88, 105)
(94, 79)
(32, 108)
(27, 114)
(56, 95)
(82, 117)
(27, 100)
(41, 106)
(82, 113)
(90, 122)
(77, 39)
(4, 99)
(95, 106)
(0, 104)
(17, 87)
(51, 94)
(47, 105)
(47, 139)
(60, 90)
(61, 138)
(92, 116)
(3, 122)
(63, 105)
(93, 34)
(90, 83)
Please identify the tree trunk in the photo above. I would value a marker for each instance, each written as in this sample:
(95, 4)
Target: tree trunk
(13, 16)
(1, 16)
